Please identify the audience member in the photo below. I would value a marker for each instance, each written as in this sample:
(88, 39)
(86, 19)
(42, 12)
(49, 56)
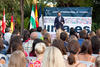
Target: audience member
(91, 34)
(72, 37)
(32, 52)
(74, 49)
(44, 31)
(39, 29)
(73, 32)
(60, 45)
(98, 32)
(32, 30)
(83, 35)
(15, 44)
(7, 35)
(15, 33)
(4, 41)
(64, 37)
(95, 40)
(85, 55)
(47, 39)
(39, 50)
(97, 62)
(26, 36)
(3, 47)
(17, 59)
(28, 45)
(53, 58)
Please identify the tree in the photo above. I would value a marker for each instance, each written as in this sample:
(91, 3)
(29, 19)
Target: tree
(22, 15)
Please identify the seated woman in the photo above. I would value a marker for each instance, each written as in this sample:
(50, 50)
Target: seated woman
(3, 48)
(95, 40)
(47, 39)
(85, 55)
(97, 62)
(32, 53)
(39, 50)
(15, 44)
(17, 59)
(60, 45)
(53, 58)
(74, 49)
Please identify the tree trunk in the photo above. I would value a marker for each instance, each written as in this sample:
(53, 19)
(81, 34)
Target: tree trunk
(22, 15)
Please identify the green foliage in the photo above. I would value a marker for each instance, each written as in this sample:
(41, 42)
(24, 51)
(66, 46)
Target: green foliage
(26, 22)
(95, 26)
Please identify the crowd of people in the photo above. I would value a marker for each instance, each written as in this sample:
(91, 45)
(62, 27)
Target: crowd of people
(36, 48)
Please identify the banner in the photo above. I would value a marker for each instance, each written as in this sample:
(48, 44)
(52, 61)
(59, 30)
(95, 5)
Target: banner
(78, 17)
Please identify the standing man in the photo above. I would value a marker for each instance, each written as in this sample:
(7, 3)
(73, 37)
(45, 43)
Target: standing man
(59, 21)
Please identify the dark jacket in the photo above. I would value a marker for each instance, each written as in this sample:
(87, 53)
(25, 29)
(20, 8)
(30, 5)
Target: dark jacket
(58, 24)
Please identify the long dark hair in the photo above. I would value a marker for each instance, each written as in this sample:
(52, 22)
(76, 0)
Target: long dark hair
(26, 35)
(73, 49)
(86, 47)
(15, 44)
(95, 40)
(1, 44)
(34, 43)
(60, 45)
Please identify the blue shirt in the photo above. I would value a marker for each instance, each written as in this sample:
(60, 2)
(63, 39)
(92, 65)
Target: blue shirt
(80, 41)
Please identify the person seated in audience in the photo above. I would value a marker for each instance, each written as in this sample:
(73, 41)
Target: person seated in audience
(15, 33)
(64, 37)
(85, 55)
(26, 36)
(72, 37)
(74, 49)
(7, 35)
(47, 39)
(73, 32)
(3, 47)
(98, 33)
(91, 34)
(32, 30)
(39, 29)
(32, 52)
(15, 44)
(39, 50)
(83, 35)
(60, 45)
(4, 41)
(28, 45)
(17, 59)
(53, 58)
(97, 62)
(3, 61)
(44, 31)
(95, 40)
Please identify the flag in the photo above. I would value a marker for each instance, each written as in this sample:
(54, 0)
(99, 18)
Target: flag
(41, 18)
(3, 22)
(32, 19)
(12, 24)
(36, 16)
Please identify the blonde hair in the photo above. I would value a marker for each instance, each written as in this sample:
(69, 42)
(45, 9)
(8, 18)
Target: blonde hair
(53, 58)
(17, 59)
(97, 62)
(40, 48)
